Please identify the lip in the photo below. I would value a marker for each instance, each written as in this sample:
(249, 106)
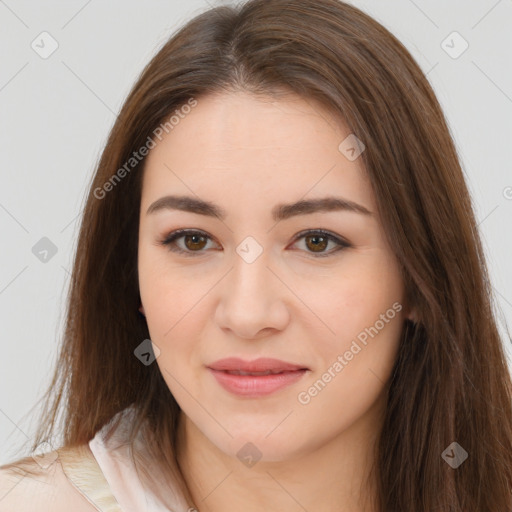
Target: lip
(256, 385)
(257, 365)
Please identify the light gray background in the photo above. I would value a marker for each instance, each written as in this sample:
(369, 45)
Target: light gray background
(56, 113)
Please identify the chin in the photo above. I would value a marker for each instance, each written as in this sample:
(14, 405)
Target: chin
(257, 446)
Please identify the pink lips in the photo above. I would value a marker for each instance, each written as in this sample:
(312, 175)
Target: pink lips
(255, 378)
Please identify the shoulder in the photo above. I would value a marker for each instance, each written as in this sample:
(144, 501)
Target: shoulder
(30, 485)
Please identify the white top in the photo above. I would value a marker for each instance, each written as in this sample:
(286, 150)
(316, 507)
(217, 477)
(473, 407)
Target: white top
(114, 459)
(98, 476)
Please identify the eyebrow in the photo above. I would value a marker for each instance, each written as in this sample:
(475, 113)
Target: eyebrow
(279, 212)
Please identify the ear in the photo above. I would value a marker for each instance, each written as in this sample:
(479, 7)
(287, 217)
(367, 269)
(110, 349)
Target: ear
(141, 309)
(412, 315)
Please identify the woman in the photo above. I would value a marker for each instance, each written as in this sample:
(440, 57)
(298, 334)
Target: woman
(279, 298)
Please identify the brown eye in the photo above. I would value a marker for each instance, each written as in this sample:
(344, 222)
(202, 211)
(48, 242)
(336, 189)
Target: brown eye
(194, 242)
(316, 243)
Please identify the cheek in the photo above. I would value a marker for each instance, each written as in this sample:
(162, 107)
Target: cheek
(355, 297)
(173, 309)
(354, 365)
(160, 286)
(172, 322)
(174, 327)
(365, 311)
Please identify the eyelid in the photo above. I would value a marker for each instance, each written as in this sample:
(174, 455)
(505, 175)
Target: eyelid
(341, 242)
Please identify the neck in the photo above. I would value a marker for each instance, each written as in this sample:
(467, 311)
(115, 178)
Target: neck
(334, 476)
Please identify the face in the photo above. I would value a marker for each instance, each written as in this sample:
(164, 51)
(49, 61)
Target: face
(248, 276)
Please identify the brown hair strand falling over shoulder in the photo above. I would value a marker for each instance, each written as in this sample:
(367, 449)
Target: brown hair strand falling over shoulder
(450, 381)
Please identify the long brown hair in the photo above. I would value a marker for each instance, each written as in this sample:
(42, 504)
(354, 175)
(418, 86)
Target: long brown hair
(450, 382)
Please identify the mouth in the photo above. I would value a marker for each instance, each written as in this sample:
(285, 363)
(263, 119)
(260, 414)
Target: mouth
(268, 372)
(255, 378)
(257, 366)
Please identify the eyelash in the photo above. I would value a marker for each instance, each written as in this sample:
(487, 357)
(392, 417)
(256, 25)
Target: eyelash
(170, 240)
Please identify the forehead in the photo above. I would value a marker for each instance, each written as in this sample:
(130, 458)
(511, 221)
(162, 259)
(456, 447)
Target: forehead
(257, 147)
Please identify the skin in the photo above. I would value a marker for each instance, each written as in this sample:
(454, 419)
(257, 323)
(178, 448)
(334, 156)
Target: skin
(247, 154)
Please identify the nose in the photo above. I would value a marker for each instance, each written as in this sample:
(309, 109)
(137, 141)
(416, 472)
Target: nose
(253, 300)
